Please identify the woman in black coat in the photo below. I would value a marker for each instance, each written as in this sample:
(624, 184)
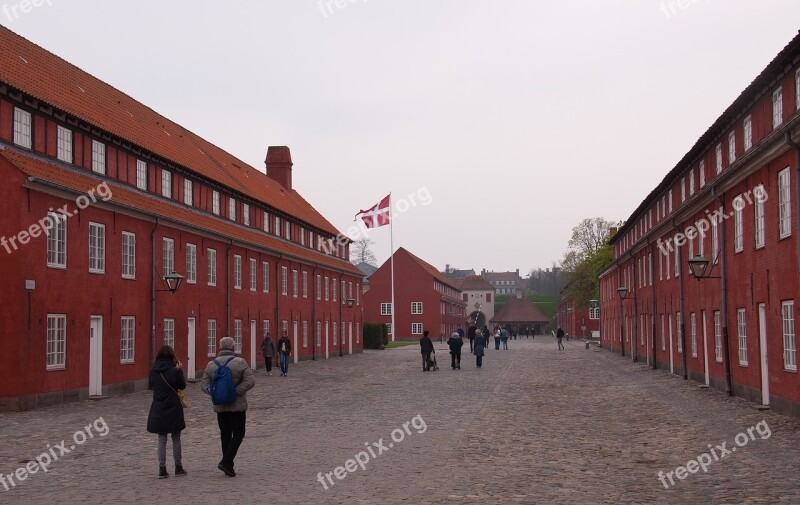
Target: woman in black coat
(166, 413)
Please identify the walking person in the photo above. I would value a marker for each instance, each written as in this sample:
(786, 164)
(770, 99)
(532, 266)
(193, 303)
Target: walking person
(268, 350)
(504, 338)
(166, 412)
(496, 338)
(231, 417)
(426, 348)
(284, 352)
(486, 335)
(559, 337)
(479, 349)
(471, 335)
(455, 344)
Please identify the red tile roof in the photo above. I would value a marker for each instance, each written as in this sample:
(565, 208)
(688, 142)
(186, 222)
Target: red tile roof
(475, 283)
(44, 76)
(431, 269)
(125, 196)
(520, 310)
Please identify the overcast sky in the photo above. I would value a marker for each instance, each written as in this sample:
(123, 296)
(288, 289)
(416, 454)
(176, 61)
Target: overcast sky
(513, 120)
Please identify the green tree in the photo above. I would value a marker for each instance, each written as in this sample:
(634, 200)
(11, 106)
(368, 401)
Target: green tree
(589, 254)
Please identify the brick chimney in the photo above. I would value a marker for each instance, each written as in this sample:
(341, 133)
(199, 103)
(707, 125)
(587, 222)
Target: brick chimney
(612, 231)
(279, 165)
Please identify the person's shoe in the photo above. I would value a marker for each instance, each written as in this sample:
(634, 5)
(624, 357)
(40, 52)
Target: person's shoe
(226, 470)
(162, 472)
(179, 471)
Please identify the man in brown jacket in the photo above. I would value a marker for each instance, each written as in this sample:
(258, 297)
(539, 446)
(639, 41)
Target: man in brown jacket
(232, 416)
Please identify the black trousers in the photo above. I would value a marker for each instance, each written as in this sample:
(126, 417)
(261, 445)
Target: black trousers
(231, 433)
(268, 362)
(455, 360)
(479, 360)
(426, 359)
(470, 343)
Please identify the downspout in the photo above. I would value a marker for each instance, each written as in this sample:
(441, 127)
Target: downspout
(634, 333)
(228, 289)
(314, 312)
(651, 270)
(153, 293)
(621, 316)
(724, 292)
(278, 289)
(341, 321)
(682, 326)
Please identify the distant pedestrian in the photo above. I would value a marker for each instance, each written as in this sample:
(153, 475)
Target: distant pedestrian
(486, 335)
(426, 348)
(455, 344)
(504, 338)
(496, 338)
(166, 413)
(268, 350)
(231, 417)
(471, 336)
(479, 349)
(559, 337)
(284, 352)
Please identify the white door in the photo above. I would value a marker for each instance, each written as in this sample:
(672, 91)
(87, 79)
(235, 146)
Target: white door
(705, 347)
(96, 356)
(762, 331)
(327, 341)
(671, 357)
(294, 345)
(253, 360)
(191, 363)
(350, 336)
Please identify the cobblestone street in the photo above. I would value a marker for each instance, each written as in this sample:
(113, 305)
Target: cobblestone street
(534, 425)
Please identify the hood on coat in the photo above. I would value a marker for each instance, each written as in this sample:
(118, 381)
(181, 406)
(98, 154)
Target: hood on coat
(162, 365)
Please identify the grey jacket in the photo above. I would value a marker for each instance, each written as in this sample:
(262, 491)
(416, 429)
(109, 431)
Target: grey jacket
(242, 376)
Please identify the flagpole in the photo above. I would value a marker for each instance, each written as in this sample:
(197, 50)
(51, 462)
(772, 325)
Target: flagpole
(391, 259)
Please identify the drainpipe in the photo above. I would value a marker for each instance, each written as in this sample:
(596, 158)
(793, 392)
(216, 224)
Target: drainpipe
(341, 321)
(278, 288)
(651, 268)
(314, 312)
(228, 289)
(682, 326)
(621, 315)
(634, 333)
(724, 292)
(153, 293)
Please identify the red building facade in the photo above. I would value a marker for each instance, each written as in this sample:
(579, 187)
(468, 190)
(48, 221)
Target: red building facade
(731, 203)
(425, 299)
(103, 198)
(577, 322)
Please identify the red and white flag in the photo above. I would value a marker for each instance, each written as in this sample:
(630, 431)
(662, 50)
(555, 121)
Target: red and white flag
(379, 215)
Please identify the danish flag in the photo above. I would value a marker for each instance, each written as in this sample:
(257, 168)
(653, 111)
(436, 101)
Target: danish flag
(379, 215)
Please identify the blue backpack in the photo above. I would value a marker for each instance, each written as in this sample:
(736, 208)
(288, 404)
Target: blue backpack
(222, 388)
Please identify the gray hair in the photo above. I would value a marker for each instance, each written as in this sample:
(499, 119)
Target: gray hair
(227, 344)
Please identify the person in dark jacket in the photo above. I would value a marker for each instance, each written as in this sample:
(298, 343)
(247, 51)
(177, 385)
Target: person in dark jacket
(284, 351)
(471, 336)
(455, 344)
(486, 334)
(426, 348)
(166, 413)
(268, 350)
(559, 337)
(479, 349)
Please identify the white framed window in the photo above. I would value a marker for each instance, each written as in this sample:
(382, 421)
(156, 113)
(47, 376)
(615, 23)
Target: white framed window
(777, 108)
(22, 128)
(305, 284)
(237, 335)
(168, 250)
(127, 340)
(305, 333)
(211, 338)
(350, 290)
(141, 174)
(253, 274)
(759, 217)
(690, 241)
(738, 224)
(718, 158)
(669, 200)
(232, 209)
(797, 89)
(691, 182)
(334, 333)
(344, 295)
(284, 281)
(277, 226)
(246, 214)
(191, 264)
(319, 334)
(650, 267)
(128, 255)
(416, 307)
(188, 195)
(334, 291)
(319, 287)
(386, 309)
(265, 276)
(288, 235)
(701, 243)
(388, 328)
(265, 328)
(714, 239)
(677, 262)
(295, 289)
(212, 266)
(683, 189)
(701, 169)
(663, 336)
(169, 332)
(237, 271)
(215, 202)
(693, 318)
(166, 183)
(661, 265)
(56, 341)
(416, 328)
(97, 248)
(98, 157)
(784, 203)
(302, 236)
(266, 222)
(678, 324)
(594, 313)
(717, 337)
(748, 133)
(789, 349)
(731, 147)
(742, 326)
(64, 144)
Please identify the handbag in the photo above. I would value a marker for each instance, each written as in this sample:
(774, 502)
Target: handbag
(180, 392)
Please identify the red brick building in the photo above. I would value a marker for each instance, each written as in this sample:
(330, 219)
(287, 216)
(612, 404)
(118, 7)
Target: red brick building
(102, 198)
(577, 322)
(731, 203)
(425, 299)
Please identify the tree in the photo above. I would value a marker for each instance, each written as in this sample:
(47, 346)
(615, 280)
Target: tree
(588, 255)
(361, 253)
(589, 236)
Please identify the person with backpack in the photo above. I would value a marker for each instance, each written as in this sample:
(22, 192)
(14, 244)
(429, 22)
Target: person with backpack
(268, 350)
(227, 379)
(284, 351)
(166, 413)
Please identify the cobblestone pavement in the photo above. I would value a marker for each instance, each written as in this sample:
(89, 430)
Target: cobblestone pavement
(534, 425)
